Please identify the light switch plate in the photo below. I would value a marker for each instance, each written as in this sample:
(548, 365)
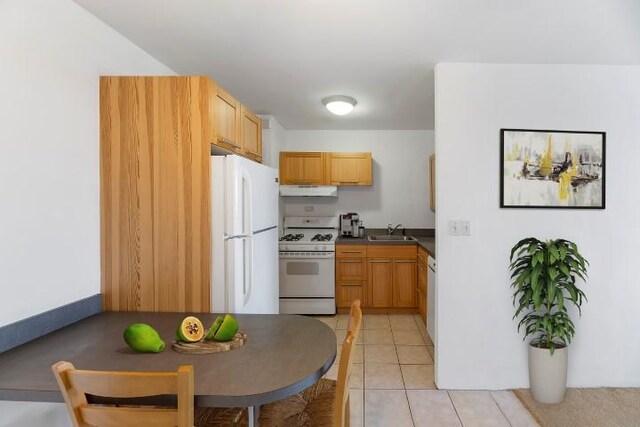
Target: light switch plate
(465, 227)
(454, 228)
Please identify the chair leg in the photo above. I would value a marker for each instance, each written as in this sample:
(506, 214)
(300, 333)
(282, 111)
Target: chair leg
(347, 413)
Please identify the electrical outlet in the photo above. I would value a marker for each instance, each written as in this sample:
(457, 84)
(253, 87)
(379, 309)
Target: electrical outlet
(454, 228)
(465, 227)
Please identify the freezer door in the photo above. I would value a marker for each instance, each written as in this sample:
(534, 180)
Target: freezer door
(252, 273)
(252, 196)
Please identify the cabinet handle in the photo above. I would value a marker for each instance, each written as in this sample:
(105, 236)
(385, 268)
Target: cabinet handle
(348, 182)
(223, 140)
(405, 261)
(351, 252)
(351, 261)
(380, 261)
(350, 284)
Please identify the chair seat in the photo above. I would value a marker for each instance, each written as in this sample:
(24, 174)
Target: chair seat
(312, 407)
(220, 417)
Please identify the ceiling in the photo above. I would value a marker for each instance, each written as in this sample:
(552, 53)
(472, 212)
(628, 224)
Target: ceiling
(282, 57)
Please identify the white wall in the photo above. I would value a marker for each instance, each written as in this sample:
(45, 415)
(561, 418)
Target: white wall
(478, 347)
(52, 54)
(272, 139)
(400, 190)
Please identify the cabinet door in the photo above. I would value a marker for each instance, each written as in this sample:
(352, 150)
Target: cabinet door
(351, 269)
(302, 168)
(251, 134)
(349, 168)
(404, 283)
(227, 121)
(347, 292)
(380, 282)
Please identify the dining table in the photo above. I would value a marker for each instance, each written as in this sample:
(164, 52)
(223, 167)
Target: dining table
(283, 354)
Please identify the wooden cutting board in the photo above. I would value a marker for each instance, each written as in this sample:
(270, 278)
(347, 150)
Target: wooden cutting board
(206, 347)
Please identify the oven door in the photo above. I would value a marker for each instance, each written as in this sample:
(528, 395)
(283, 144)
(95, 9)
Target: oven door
(307, 274)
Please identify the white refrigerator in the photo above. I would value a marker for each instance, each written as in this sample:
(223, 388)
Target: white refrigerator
(244, 236)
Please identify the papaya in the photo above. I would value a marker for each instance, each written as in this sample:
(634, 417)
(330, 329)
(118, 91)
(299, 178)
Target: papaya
(227, 329)
(214, 328)
(190, 330)
(143, 338)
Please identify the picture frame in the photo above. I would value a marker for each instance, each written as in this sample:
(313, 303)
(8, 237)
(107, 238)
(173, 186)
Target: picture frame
(552, 169)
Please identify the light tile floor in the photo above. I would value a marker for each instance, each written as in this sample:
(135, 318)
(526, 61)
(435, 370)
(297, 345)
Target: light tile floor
(392, 381)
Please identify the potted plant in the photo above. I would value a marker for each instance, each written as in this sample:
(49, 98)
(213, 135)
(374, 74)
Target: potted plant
(544, 277)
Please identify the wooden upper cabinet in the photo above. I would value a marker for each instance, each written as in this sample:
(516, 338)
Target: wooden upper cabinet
(227, 121)
(349, 168)
(302, 168)
(251, 134)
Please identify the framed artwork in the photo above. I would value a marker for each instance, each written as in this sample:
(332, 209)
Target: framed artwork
(552, 169)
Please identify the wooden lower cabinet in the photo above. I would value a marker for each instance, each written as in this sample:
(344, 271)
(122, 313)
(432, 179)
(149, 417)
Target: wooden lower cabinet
(380, 283)
(382, 276)
(392, 276)
(351, 274)
(404, 283)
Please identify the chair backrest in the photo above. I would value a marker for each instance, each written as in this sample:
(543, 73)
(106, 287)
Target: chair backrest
(341, 405)
(76, 384)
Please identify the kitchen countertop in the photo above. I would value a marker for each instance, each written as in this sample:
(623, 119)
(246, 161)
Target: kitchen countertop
(427, 242)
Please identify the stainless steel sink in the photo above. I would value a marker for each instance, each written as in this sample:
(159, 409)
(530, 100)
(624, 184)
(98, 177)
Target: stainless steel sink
(385, 238)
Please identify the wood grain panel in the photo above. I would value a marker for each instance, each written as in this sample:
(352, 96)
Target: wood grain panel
(351, 251)
(380, 282)
(349, 168)
(392, 251)
(302, 168)
(351, 268)
(155, 136)
(347, 293)
(404, 283)
(227, 120)
(251, 134)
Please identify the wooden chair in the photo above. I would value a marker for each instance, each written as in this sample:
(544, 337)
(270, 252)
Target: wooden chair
(76, 384)
(326, 403)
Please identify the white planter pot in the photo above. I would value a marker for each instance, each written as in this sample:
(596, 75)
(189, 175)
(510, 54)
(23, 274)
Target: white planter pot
(548, 374)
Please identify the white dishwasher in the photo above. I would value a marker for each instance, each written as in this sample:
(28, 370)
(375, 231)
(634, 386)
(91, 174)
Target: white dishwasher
(431, 293)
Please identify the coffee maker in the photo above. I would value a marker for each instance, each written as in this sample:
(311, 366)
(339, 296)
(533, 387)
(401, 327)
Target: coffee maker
(349, 224)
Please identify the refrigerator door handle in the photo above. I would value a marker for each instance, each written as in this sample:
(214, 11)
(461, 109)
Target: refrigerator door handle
(247, 276)
(247, 205)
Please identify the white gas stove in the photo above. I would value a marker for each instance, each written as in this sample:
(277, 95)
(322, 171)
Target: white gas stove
(307, 265)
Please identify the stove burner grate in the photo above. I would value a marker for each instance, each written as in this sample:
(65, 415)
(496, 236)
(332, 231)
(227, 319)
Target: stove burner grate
(322, 238)
(291, 237)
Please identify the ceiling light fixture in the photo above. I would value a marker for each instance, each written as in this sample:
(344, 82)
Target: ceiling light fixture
(339, 104)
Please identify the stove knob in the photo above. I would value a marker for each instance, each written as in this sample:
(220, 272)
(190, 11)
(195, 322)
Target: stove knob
(317, 248)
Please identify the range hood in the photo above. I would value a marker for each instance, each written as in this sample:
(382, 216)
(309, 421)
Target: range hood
(309, 191)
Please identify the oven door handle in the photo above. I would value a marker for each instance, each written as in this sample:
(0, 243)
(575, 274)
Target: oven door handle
(306, 257)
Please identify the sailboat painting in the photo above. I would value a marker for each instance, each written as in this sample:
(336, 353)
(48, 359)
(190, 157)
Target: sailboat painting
(552, 169)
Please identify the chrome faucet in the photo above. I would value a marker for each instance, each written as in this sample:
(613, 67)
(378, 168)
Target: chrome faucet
(391, 229)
